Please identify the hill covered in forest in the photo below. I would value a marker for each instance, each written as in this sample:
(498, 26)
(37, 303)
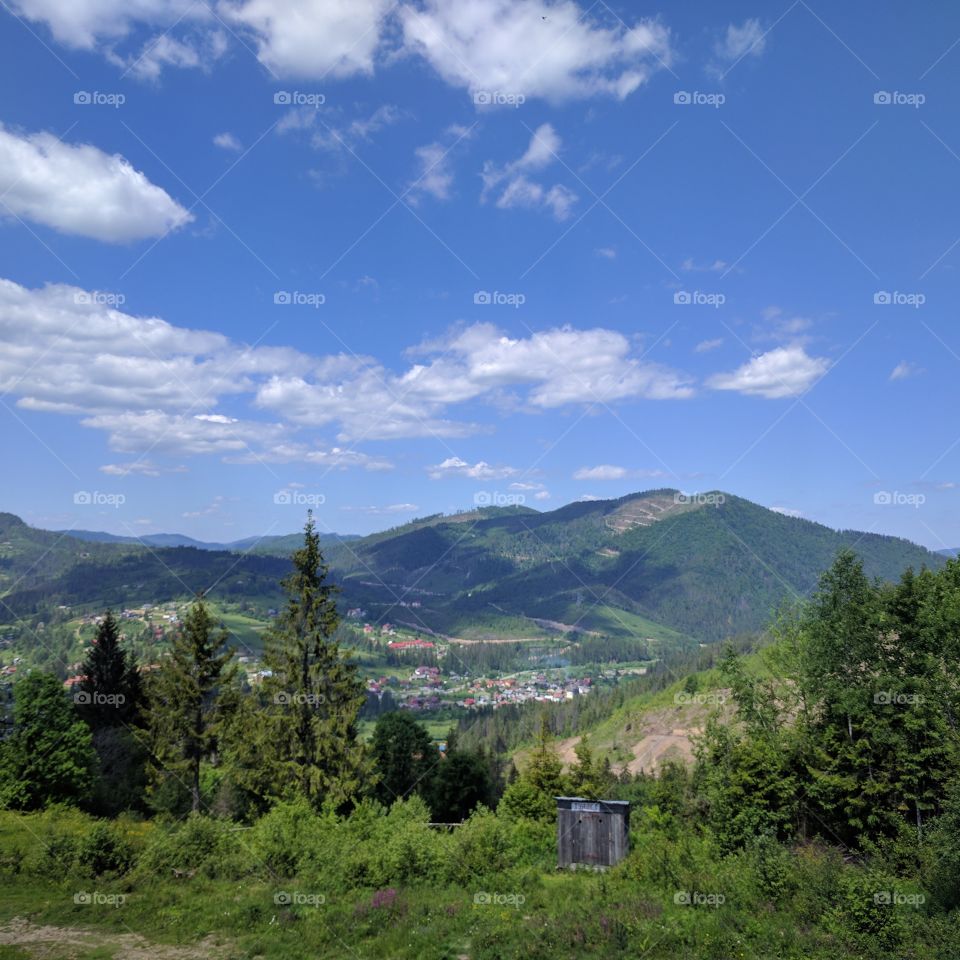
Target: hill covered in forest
(658, 564)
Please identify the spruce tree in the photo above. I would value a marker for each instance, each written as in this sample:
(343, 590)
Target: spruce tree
(109, 694)
(313, 694)
(184, 715)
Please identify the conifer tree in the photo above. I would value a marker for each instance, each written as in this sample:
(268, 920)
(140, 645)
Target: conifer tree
(109, 694)
(184, 718)
(312, 695)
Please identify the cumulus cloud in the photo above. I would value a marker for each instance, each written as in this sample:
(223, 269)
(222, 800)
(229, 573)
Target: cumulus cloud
(512, 186)
(605, 471)
(783, 372)
(788, 511)
(312, 39)
(154, 388)
(552, 50)
(435, 166)
(79, 189)
(82, 23)
(455, 467)
(705, 346)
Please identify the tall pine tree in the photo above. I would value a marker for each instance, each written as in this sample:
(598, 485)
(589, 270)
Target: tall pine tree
(184, 698)
(109, 695)
(313, 695)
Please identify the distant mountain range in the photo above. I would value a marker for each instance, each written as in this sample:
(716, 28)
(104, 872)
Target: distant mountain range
(282, 544)
(950, 552)
(654, 564)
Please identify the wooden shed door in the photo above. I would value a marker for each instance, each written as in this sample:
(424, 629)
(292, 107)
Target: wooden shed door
(591, 839)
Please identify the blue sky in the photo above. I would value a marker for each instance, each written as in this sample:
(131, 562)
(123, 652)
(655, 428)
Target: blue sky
(398, 259)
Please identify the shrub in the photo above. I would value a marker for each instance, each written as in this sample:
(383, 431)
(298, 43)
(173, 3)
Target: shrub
(104, 850)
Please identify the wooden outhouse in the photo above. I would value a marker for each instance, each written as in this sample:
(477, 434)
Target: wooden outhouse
(594, 833)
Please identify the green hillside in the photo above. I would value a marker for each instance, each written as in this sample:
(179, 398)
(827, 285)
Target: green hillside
(656, 565)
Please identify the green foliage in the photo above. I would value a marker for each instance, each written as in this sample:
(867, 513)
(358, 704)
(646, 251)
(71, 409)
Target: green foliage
(304, 735)
(49, 757)
(110, 693)
(183, 716)
(405, 756)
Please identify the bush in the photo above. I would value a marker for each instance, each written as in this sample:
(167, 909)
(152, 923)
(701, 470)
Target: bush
(104, 850)
(200, 845)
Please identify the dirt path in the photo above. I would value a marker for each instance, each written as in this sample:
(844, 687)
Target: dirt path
(47, 942)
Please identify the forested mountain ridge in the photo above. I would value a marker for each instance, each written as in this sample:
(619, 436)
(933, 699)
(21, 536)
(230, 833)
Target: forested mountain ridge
(656, 563)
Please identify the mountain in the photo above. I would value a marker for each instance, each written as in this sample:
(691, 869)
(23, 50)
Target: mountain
(704, 567)
(950, 552)
(42, 568)
(652, 565)
(282, 545)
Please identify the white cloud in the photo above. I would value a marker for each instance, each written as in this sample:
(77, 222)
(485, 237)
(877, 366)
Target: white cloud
(514, 188)
(608, 253)
(534, 48)
(348, 136)
(904, 370)
(78, 189)
(165, 50)
(747, 39)
(435, 168)
(525, 485)
(228, 141)
(783, 372)
(717, 266)
(82, 23)
(542, 495)
(605, 471)
(145, 468)
(156, 388)
(788, 511)
(312, 39)
(481, 470)
(705, 346)
(550, 49)
(392, 508)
